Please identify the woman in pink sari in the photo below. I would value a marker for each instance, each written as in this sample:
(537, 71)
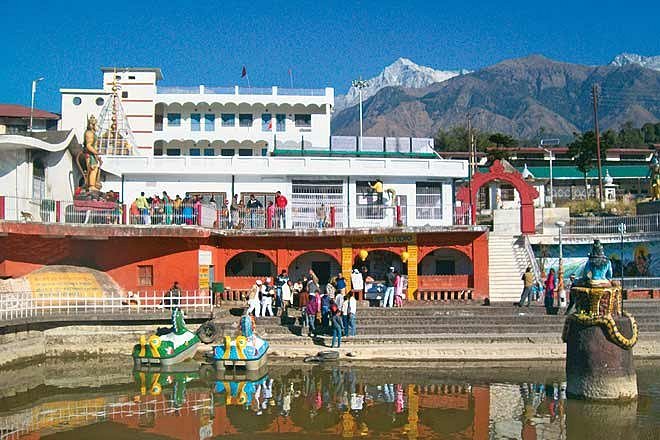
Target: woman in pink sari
(398, 290)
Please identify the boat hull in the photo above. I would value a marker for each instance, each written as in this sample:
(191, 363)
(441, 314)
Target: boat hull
(186, 354)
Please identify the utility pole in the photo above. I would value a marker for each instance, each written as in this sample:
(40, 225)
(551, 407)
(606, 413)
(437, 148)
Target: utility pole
(470, 166)
(594, 94)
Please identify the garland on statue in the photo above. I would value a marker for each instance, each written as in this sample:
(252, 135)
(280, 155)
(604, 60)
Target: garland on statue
(607, 322)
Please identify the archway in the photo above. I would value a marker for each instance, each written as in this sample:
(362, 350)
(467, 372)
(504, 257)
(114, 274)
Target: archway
(445, 261)
(379, 261)
(468, 195)
(250, 264)
(325, 266)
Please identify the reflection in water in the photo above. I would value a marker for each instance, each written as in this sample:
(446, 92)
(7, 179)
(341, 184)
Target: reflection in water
(304, 402)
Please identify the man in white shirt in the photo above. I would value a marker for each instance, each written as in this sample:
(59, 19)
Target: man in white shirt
(351, 310)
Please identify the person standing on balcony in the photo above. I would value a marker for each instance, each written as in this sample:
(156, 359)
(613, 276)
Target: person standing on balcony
(253, 205)
(168, 208)
(321, 216)
(176, 206)
(270, 214)
(377, 187)
(280, 207)
(388, 299)
(233, 211)
(549, 300)
(528, 280)
(143, 205)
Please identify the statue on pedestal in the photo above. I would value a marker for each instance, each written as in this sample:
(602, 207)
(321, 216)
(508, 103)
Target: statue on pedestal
(599, 361)
(88, 160)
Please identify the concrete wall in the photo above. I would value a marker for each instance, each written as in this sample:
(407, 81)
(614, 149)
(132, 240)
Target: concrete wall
(16, 172)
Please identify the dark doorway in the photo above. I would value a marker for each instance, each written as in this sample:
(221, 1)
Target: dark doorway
(322, 270)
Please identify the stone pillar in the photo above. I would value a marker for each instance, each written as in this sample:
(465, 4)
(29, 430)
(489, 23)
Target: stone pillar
(597, 368)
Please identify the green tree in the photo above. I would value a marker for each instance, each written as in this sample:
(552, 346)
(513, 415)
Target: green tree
(456, 139)
(649, 133)
(630, 136)
(583, 150)
(502, 140)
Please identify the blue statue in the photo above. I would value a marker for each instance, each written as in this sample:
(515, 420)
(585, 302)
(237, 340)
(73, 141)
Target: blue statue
(598, 270)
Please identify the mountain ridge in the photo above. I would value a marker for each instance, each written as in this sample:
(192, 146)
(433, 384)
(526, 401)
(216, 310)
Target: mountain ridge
(519, 97)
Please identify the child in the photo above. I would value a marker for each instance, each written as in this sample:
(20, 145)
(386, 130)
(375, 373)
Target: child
(398, 290)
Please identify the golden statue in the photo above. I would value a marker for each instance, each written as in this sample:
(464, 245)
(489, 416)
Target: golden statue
(654, 175)
(93, 161)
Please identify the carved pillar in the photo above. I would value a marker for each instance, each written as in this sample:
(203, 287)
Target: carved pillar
(413, 254)
(347, 262)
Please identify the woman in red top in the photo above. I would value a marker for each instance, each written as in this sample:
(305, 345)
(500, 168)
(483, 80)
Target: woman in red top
(550, 284)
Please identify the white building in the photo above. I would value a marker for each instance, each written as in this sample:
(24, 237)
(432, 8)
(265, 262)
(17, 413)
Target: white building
(220, 141)
(203, 120)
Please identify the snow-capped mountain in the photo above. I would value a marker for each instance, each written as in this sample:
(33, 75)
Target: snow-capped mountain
(633, 58)
(402, 72)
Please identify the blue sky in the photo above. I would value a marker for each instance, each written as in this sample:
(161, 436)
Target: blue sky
(325, 43)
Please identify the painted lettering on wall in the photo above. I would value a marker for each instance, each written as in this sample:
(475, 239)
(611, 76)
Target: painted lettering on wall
(49, 284)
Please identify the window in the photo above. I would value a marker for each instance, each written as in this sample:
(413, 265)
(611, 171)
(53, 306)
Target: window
(38, 180)
(429, 200)
(366, 202)
(173, 151)
(76, 100)
(174, 119)
(158, 151)
(195, 121)
(266, 122)
(124, 94)
(158, 122)
(145, 275)
(100, 101)
(209, 151)
(262, 269)
(245, 120)
(195, 152)
(16, 129)
(507, 193)
(281, 122)
(264, 151)
(228, 120)
(245, 151)
(117, 77)
(227, 152)
(303, 120)
(209, 122)
(131, 76)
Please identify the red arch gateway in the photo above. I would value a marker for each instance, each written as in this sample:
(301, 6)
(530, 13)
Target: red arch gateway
(497, 172)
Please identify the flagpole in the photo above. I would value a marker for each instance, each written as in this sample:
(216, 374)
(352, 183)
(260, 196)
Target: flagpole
(291, 77)
(248, 80)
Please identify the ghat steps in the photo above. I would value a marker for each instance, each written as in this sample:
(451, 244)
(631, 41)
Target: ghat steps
(507, 260)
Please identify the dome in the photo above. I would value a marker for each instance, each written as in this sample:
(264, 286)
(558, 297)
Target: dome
(526, 173)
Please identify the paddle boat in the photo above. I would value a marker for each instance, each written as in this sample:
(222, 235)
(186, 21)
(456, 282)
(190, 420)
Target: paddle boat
(170, 347)
(248, 350)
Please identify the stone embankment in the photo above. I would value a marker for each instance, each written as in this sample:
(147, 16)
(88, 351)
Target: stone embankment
(426, 332)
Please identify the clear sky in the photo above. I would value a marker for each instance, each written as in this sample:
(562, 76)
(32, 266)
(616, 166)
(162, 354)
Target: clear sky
(325, 43)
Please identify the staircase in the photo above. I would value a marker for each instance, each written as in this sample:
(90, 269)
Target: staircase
(440, 323)
(507, 260)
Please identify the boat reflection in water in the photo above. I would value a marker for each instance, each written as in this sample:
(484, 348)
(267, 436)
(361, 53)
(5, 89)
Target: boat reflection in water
(320, 401)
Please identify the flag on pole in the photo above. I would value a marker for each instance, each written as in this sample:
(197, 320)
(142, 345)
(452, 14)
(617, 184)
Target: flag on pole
(291, 77)
(244, 72)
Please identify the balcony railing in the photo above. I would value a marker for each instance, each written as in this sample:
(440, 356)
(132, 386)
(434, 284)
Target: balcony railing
(239, 90)
(309, 214)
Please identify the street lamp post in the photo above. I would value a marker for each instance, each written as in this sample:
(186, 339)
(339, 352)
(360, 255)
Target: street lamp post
(360, 84)
(542, 144)
(622, 230)
(560, 269)
(34, 90)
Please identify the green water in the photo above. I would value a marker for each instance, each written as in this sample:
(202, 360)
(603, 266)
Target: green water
(105, 399)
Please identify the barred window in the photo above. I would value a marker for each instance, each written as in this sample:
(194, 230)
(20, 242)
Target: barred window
(145, 275)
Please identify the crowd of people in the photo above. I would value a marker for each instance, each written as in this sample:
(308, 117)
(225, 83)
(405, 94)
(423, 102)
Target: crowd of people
(164, 210)
(329, 308)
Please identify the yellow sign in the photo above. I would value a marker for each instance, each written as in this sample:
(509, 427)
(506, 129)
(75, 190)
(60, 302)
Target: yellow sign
(204, 277)
(380, 239)
(47, 284)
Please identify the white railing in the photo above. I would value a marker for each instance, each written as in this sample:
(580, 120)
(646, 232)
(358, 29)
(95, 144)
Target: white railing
(300, 92)
(330, 210)
(19, 305)
(239, 90)
(536, 269)
(610, 225)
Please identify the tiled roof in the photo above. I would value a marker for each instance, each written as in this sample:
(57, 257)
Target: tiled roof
(21, 111)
